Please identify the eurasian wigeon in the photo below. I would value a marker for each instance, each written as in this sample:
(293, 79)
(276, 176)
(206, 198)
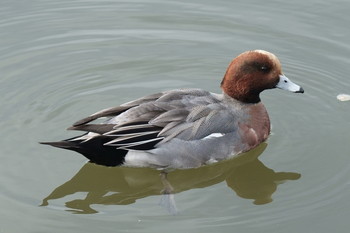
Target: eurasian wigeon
(186, 128)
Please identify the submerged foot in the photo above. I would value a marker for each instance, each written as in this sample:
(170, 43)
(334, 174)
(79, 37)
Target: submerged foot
(168, 198)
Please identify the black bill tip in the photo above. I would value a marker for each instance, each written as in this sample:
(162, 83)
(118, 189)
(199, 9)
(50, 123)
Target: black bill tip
(301, 90)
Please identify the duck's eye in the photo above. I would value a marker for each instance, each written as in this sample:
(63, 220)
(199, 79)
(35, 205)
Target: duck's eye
(265, 69)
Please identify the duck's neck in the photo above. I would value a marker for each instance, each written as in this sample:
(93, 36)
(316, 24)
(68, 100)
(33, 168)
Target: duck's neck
(240, 93)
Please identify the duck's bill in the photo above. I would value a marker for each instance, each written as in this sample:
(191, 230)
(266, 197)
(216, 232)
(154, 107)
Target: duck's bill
(286, 84)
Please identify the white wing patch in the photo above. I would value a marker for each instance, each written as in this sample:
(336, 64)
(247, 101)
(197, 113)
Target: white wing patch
(214, 135)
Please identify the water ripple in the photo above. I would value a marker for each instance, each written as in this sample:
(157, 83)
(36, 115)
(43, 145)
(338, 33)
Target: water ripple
(59, 64)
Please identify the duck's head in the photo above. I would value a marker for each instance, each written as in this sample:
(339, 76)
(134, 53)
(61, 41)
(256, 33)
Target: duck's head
(252, 72)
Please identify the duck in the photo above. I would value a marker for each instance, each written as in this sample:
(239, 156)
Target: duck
(185, 128)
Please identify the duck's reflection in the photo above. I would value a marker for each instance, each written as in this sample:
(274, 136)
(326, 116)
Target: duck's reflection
(246, 175)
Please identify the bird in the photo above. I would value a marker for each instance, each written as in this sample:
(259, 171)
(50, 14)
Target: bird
(185, 128)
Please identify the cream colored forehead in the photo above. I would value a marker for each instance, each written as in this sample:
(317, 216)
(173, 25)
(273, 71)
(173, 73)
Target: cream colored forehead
(270, 55)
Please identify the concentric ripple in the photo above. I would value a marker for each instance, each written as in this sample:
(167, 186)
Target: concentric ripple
(63, 60)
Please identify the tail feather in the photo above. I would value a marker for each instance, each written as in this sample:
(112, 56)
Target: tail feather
(93, 149)
(61, 144)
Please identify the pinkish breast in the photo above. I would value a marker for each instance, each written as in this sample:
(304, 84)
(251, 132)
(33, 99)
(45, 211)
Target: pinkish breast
(256, 128)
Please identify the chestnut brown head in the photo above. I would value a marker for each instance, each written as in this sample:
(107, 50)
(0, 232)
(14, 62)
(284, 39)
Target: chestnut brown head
(252, 72)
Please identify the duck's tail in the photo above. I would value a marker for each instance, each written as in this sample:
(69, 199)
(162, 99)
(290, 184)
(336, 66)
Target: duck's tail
(61, 144)
(93, 149)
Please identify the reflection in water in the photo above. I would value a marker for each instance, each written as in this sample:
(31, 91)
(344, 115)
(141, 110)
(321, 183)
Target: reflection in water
(246, 175)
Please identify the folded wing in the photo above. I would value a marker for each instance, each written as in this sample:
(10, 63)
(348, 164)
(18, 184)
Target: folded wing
(144, 124)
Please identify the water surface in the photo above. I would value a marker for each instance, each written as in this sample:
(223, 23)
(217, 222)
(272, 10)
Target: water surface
(63, 60)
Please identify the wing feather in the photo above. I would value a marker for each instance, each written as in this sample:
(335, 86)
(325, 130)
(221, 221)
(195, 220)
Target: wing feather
(174, 115)
(156, 119)
(198, 112)
(124, 130)
(96, 128)
(131, 139)
(103, 113)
